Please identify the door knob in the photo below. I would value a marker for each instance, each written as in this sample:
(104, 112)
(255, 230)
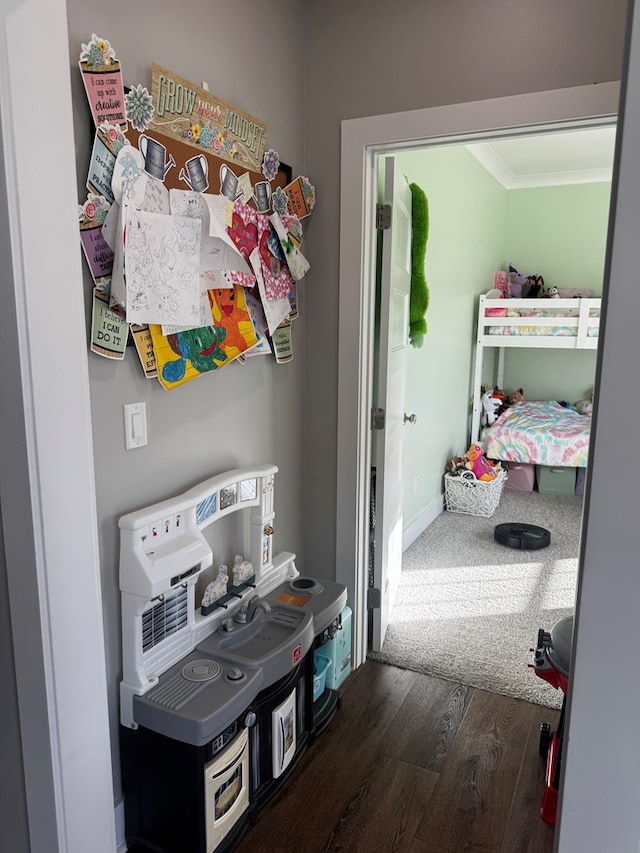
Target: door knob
(411, 419)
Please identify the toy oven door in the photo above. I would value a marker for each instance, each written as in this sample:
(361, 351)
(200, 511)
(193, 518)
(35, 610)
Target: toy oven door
(226, 780)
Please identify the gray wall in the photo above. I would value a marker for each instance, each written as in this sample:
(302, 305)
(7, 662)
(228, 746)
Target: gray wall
(14, 828)
(241, 415)
(410, 55)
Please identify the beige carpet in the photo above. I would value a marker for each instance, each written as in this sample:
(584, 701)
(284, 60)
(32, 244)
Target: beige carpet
(468, 609)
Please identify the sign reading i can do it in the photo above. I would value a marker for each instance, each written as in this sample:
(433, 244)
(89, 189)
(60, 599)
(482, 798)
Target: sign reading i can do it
(193, 115)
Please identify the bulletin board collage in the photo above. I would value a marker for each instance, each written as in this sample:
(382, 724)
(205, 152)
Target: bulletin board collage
(191, 228)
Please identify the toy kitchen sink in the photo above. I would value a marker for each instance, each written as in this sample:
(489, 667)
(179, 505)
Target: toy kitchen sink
(217, 698)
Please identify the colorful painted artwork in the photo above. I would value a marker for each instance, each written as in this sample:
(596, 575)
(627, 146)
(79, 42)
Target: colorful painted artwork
(188, 354)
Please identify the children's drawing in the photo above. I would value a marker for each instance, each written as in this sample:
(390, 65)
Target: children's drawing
(186, 355)
(296, 261)
(229, 309)
(275, 310)
(161, 268)
(248, 228)
(129, 180)
(256, 312)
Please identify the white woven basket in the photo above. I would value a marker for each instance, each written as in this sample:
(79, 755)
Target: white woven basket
(470, 496)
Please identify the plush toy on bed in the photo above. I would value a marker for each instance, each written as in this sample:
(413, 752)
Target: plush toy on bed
(516, 396)
(530, 286)
(502, 283)
(479, 465)
(490, 406)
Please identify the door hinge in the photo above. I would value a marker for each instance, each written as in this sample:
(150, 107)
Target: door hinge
(373, 598)
(377, 418)
(383, 216)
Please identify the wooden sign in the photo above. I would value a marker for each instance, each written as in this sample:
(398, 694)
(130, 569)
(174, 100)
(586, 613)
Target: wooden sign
(204, 121)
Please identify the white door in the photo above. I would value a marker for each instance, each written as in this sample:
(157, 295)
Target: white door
(392, 359)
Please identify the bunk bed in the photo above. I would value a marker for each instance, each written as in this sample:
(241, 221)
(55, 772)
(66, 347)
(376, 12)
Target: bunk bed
(534, 433)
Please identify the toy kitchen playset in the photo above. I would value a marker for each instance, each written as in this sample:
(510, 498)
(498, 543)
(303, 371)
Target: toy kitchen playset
(221, 696)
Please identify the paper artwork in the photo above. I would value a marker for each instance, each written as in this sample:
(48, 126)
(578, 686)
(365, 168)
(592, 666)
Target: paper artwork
(217, 251)
(129, 181)
(161, 268)
(188, 354)
(296, 262)
(275, 310)
(98, 253)
(102, 78)
(249, 230)
(256, 312)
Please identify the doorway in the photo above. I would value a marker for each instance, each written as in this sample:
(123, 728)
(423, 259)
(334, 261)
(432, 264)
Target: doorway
(363, 142)
(547, 209)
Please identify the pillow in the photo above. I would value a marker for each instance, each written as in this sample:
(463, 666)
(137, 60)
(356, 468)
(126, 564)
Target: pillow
(573, 292)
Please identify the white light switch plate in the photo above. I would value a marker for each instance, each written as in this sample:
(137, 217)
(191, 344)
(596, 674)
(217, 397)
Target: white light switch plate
(135, 425)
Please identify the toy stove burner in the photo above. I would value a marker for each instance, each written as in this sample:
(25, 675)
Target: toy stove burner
(201, 670)
(526, 536)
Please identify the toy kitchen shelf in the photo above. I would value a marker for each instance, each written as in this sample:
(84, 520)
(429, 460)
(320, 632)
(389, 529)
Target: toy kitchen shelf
(216, 709)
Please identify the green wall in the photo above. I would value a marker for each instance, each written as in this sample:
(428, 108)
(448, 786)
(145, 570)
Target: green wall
(561, 233)
(467, 216)
(477, 227)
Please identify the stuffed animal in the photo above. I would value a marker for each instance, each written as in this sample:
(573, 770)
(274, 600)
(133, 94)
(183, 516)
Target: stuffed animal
(518, 282)
(583, 407)
(516, 396)
(553, 293)
(478, 464)
(490, 405)
(536, 286)
(509, 399)
(503, 283)
(456, 465)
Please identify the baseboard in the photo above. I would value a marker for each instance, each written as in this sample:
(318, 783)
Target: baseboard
(121, 844)
(422, 521)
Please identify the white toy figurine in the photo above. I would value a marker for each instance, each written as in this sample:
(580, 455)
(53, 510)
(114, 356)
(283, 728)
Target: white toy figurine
(490, 405)
(242, 570)
(217, 588)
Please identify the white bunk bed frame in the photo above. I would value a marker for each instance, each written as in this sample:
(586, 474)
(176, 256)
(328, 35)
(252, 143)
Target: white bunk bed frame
(584, 338)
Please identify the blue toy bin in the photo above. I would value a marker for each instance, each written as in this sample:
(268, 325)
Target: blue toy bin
(321, 665)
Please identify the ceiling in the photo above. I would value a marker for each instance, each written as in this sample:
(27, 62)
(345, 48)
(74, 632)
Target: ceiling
(551, 159)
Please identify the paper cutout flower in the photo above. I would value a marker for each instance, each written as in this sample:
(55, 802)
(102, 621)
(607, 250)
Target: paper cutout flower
(280, 201)
(270, 164)
(139, 107)
(309, 192)
(94, 210)
(98, 52)
(114, 135)
(206, 137)
(195, 131)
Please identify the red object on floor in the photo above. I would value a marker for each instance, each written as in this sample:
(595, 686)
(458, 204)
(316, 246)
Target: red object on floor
(552, 660)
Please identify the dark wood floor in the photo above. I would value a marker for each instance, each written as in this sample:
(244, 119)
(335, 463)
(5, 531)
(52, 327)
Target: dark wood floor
(411, 763)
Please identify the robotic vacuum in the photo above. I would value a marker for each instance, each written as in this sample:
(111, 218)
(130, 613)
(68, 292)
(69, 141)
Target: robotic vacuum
(525, 536)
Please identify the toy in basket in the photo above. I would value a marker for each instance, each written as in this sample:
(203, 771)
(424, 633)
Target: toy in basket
(472, 485)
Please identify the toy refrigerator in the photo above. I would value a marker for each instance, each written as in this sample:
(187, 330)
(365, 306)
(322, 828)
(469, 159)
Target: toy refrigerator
(338, 650)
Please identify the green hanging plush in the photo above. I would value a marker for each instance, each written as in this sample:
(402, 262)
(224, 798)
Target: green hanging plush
(419, 296)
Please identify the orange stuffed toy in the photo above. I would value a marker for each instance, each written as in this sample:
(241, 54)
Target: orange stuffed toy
(478, 464)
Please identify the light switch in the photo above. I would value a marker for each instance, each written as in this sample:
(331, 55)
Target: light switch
(135, 425)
